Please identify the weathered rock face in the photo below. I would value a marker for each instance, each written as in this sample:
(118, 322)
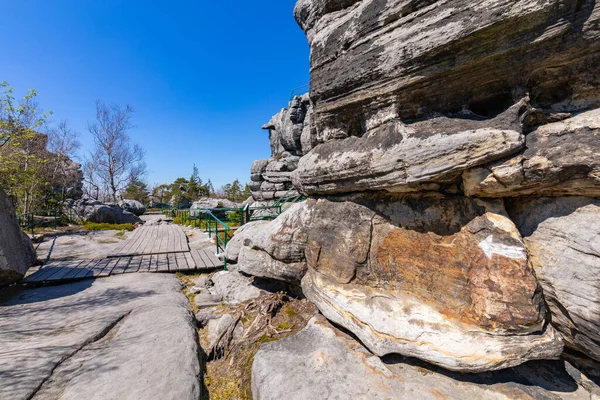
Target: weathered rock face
(210, 203)
(339, 367)
(563, 239)
(562, 158)
(443, 279)
(133, 206)
(399, 157)
(375, 60)
(95, 211)
(291, 135)
(16, 250)
(276, 249)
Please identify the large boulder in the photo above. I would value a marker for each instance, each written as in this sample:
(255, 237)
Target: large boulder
(338, 367)
(563, 240)
(376, 60)
(95, 211)
(235, 244)
(16, 251)
(133, 206)
(561, 158)
(446, 280)
(276, 249)
(122, 337)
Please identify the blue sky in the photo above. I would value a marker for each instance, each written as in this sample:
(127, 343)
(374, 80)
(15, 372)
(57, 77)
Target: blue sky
(202, 76)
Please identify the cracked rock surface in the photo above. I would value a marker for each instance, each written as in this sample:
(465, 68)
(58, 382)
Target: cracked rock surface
(122, 337)
(338, 367)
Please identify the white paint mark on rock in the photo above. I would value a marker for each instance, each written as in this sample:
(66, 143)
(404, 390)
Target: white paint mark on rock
(490, 248)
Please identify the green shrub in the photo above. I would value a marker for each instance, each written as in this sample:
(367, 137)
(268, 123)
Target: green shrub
(93, 226)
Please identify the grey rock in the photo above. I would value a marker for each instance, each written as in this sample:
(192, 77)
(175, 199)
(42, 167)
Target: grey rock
(276, 249)
(375, 60)
(95, 211)
(246, 231)
(16, 250)
(399, 157)
(133, 206)
(204, 315)
(235, 287)
(95, 339)
(210, 203)
(562, 158)
(261, 264)
(202, 281)
(207, 299)
(563, 240)
(215, 328)
(338, 367)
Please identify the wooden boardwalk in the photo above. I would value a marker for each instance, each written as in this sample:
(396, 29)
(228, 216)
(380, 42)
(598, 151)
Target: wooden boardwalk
(159, 248)
(156, 239)
(62, 270)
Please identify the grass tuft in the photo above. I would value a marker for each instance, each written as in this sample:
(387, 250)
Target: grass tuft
(93, 226)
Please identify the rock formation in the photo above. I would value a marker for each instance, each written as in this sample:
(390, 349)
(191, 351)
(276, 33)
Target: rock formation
(16, 251)
(290, 135)
(91, 210)
(339, 367)
(133, 206)
(429, 124)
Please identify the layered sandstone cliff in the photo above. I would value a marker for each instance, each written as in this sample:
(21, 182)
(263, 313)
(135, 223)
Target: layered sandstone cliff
(452, 180)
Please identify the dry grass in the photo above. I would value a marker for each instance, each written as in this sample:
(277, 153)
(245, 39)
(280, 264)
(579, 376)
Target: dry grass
(265, 319)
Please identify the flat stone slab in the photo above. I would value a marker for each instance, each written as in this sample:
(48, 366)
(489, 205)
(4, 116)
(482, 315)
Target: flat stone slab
(122, 337)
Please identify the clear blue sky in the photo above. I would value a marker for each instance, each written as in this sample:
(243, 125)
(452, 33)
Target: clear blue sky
(202, 76)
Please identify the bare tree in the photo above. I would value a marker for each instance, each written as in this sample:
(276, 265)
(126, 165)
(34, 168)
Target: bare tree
(115, 159)
(63, 143)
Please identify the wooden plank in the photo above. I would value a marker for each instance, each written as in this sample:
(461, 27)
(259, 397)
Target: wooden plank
(76, 271)
(98, 268)
(145, 265)
(148, 243)
(182, 264)
(172, 262)
(69, 267)
(163, 263)
(154, 263)
(197, 259)
(85, 272)
(46, 271)
(190, 261)
(121, 266)
(161, 238)
(134, 264)
(109, 267)
(212, 259)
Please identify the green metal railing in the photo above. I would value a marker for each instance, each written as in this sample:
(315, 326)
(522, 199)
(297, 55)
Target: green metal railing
(218, 221)
(30, 221)
(212, 224)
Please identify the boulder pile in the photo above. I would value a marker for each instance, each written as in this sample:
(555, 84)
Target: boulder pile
(452, 168)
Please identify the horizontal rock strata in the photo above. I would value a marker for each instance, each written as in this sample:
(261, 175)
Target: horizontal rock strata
(399, 157)
(374, 60)
(562, 158)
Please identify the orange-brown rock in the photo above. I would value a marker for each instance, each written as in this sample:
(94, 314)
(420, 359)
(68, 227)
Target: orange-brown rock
(444, 279)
